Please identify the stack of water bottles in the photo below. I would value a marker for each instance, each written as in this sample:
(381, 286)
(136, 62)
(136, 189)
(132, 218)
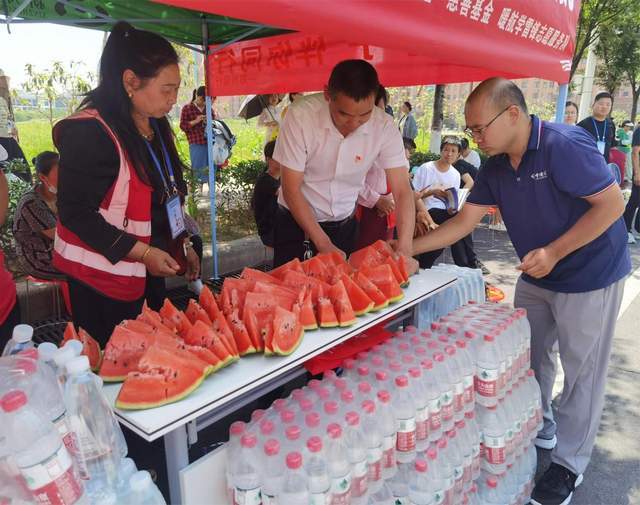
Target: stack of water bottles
(60, 443)
(440, 415)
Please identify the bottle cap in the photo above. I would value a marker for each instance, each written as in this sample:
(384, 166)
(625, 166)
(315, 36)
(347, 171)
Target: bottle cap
(31, 353)
(407, 359)
(427, 363)
(420, 351)
(340, 384)
(377, 361)
(439, 357)
(363, 370)
(13, 400)
(140, 481)
(394, 366)
(331, 407)
(267, 427)
(237, 428)
(384, 396)
(75, 346)
(271, 447)
(287, 416)
(293, 432)
(62, 356)
(347, 396)
(381, 375)
(442, 443)
(306, 404)
(492, 482)
(314, 444)
(280, 404)
(257, 414)
(334, 430)
(421, 465)
(402, 381)
(77, 365)
(432, 454)
(22, 333)
(294, 460)
(368, 406)
(364, 388)
(352, 418)
(415, 372)
(312, 420)
(248, 440)
(46, 350)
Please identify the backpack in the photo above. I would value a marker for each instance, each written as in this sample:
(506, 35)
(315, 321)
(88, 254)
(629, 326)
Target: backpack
(223, 142)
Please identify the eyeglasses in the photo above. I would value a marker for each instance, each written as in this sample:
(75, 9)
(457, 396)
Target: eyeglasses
(479, 132)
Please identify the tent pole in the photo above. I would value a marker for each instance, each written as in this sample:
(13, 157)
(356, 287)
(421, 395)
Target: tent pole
(209, 132)
(563, 92)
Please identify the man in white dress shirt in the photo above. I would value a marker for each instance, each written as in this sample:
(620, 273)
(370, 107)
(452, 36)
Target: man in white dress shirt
(328, 142)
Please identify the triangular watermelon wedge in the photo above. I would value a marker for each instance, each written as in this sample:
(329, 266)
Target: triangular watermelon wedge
(326, 315)
(307, 316)
(314, 267)
(395, 269)
(293, 265)
(382, 276)
(360, 301)
(251, 323)
(365, 257)
(195, 312)
(240, 334)
(341, 304)
(204, 336)
(380, 301)
(176, 317)
(90, 347)
(287, 332)
(257, 275)
(208, 303)
(299, 280)
(122, 353)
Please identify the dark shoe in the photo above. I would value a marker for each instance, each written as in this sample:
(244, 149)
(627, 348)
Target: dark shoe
(480, 265)
(556, 486)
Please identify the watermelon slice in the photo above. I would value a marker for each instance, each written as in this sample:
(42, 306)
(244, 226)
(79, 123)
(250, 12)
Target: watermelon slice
(251, 323)
(165, 376)
(360, 302)
(176, 317)
(195, 312)
(287, 332)
(204, 336)
(152, 318)
(341, 304)
(307, 317)
(293, 265)
(240, 334)
(222, 329)
(122, 353)
(365, 257)
(208, 303)
(380, 301)
(383, 248)
(326, 315)
(141, 326)
(298, 280)
(183, 350)
(317, 269)
(90, 347)
(382, 276)
(252, 274)
(395, 269)
(285, 294)
(402, 265)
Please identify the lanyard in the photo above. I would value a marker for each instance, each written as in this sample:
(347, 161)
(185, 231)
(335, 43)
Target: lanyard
(604, 133)
(170, 188)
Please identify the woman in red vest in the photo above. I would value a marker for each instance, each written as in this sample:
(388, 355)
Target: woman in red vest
(120, 185)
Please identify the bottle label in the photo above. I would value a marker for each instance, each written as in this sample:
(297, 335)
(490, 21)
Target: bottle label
(359, 479)
(406, 441)
(268, 499)
(486, 382)
(401, 500)
(87, 445)
(438, 497)
(469, 395)
(247, 496)
(458, 396)
(422, 423)
(446, 404)
(374, 463)
(67, 436)
(52, 482)
(435, 415)
(341, 490)
(495, 450)
(458, 474)
(316, 499)
(389, 451)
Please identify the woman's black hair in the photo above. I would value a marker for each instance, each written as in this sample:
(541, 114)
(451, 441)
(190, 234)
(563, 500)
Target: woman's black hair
(201, 91)
(145, 54)
(569, 103)
(408, 105)
(45, 161)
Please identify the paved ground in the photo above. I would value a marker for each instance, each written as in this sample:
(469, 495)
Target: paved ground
(613, 477)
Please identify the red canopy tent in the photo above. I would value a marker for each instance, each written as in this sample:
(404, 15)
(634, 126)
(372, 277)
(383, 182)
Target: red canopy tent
(409, 41)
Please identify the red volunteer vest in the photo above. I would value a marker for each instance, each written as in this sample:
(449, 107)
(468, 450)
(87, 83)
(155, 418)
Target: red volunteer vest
(127, 206)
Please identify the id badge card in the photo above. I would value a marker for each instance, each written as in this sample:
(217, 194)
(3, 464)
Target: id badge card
(176, 217)
(601, 146)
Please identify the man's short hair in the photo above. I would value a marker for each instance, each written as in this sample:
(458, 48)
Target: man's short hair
(502, 93)
(408, 105)
(269, 147)
(601, 95)
(382, 95)
(464, 143)
(451, 140)
(356, 79)
(408, 143)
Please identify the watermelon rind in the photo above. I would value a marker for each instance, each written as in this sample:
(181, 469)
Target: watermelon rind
(150, 405)
(280, 352)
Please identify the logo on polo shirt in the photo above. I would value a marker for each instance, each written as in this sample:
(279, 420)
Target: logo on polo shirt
(358, 158)
(538, 176)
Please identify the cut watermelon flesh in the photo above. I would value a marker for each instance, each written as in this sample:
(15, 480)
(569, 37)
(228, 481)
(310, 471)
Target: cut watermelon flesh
(175, 317)
(204, 336)
(299, 280)
(307, 317)
(316, 269)
(122, 353)
(293, 265)
(341, 304)
(326, 315)
(195, 312)
(208, 303)
(380, 301)
(259, 276)
(287, 332)
(402, 265)
(395, 269)
(240, 334)
(90, 347)
(365, 257)
(360, 302)
(382, 276)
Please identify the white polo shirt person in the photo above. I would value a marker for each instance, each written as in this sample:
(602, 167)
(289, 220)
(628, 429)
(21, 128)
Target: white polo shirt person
(328, 142)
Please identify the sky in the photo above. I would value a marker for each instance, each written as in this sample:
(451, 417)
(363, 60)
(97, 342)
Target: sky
(42, 44)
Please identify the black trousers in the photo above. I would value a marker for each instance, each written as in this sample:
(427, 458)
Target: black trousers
(632, 205)
(289, 237)
(458, 250)
(6, 326)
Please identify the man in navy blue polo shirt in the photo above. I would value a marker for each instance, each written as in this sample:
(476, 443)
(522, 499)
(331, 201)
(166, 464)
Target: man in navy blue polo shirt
(562, 209)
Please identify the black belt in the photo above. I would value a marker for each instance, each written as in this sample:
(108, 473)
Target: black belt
(327, 225)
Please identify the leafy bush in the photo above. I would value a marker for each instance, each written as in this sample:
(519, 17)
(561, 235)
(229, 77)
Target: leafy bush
(418, 158)
(17, 188)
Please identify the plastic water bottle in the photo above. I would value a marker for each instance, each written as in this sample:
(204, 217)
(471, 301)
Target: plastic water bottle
(61, 358)
(448, 385)
(467, 366)
(91, 419)
(75, 345)
(446, 468)
(357, 454)
(532, 389)
(39, 454)
(487, 379)
(236, 430)
(465, 447)
(317, 473)
(422, 408)
(399, 484)
(339, 468)
(452, 453)
(405, 412)
(245, 472)
(490, 491)
(457, 374)
(273, 472)
(143, 490)
(387, 421)
(46, 350)
(295, 488)
(440, 481)
(473, 433)
(373, 438)
(493, 441)
(434, 393)
(420, 487)
(20, 340)
(126, 470)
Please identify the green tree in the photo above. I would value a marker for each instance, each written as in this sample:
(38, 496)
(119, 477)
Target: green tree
(59, 84)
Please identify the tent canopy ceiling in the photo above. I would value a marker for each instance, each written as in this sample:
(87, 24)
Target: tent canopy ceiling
(175, 23)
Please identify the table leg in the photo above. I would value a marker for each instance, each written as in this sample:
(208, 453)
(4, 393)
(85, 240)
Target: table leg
(177, 455)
